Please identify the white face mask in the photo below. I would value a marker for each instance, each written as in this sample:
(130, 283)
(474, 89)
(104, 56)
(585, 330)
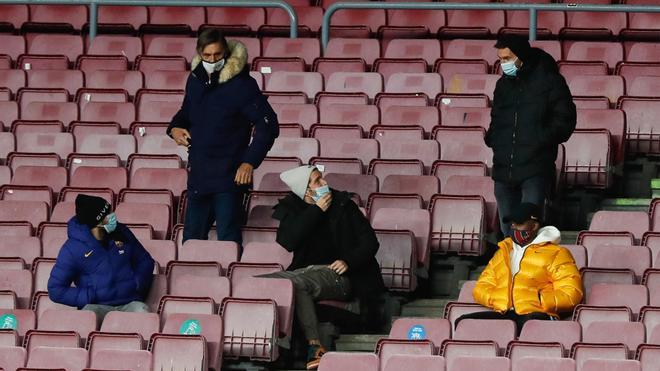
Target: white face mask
(212, 67)
(510, 68)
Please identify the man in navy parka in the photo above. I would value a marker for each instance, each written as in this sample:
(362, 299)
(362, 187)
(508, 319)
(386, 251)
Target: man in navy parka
(110, 268)
(221, 107)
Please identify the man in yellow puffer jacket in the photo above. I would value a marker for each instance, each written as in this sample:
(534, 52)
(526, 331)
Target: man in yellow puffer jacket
(530, 276)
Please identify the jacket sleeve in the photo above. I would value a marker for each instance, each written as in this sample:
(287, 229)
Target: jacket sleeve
(366, 243)
(486, 283)
(59, 284)
(261, 114)
(566, 290)
(294, 228)
(563, 113)
(180, 119)
(143, 264)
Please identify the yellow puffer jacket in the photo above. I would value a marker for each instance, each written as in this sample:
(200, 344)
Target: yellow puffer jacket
(548, 280)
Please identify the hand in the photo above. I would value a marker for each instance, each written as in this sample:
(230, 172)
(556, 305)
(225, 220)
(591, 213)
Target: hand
(244, 174)
(339, 266)
(181, 136)
(324, 202)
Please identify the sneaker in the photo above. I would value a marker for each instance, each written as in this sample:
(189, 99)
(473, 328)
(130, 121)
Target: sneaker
(314, 354)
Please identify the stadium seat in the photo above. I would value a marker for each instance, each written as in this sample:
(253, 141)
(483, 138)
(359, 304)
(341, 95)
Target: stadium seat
(579, 254)
(356, 23)
(466, 116)
(157, 215)
(362, 185)
(473, 84)
(363, 149)
(416, 220)
(402, 361)
(641, 26)
(589, 25)
(611, 365)
(635, 258)
(171, 46)
(303, 148)
(122, 145)
(424, 185)
(469, 50)
(86, 95)
(611, 87)
(588, 51)
(587, 158)
(446, 169)
(459, 230)
(652, 282)
(114, 178)
(593, 276)
(549, 23)
(306, 49)
(13, 79)
(632, 334)
(237, 21)
(367, 49)
(53, 177)
(140, 326)
(210, 327)
(426, 49)
(463, 144)
(166, 19)
(105, 45)
(467, 185)
(500, 331)
(583, 353)
(472, 23)
(427, 83)
(426, 117)
(593, 238)
(632, 296)
(543, 363)
(641, 135)
(138, 360)
(386, 348)
(173, 180)
(358, 361)
(612, 120)
(28, 95)
(465, 363)
(260, 252)
(53, 357)
(26, 248)
(179, 352)
(410, 328)
(365, 116)
(34, 212)
(303, 114)
(70, 46)
(255, 318)
(564, 332)
(412, 23)
(309, 83)
(621, 221)
(223, 252)
(122, 113)
(370, 83)
(643, 86)
(70, 80)
(277, 20)
(455, 349)
(397, 259)
(76, 160)
(51, 111)
(82, 322)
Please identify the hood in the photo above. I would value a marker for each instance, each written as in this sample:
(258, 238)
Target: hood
(538, 58)
(547, 234)
(80, 232)
(233, 65)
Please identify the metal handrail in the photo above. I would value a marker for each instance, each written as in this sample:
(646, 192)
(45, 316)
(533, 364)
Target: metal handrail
(94, 4)
(532, 8)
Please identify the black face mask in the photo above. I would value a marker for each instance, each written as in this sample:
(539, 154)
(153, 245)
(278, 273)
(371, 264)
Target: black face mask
(522, 238)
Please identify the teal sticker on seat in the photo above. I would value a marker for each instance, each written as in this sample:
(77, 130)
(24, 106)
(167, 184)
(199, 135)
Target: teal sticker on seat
(417, 332)
(8, 321)
(190, 327)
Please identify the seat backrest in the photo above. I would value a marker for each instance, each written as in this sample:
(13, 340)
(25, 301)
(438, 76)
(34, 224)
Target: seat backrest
(249, 328)
(209, 326)
(500, 331)
(636, 258)
(57, 357)
(632, 296)
(434, 329)
(636, 222)
(386, 348)
(466, 363)
(611, 365)
(565, 332)
(333, 361)
(543, 363)
(261, 252)
(460, 229)
(83, 322)
(179, 352)
(629, 333)
(145, 324)
(136, 360)
(420, 362)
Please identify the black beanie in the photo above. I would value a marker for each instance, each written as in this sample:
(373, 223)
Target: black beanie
(91, 210)
(519, 45)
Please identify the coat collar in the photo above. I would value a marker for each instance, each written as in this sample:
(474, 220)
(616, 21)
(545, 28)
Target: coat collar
(233, 66)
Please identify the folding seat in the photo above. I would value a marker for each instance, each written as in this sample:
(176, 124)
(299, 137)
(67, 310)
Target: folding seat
(223, 252)
(171, 46)
(13, 16)
(235, 21)
(594, 238)
(70, 46)
(61, 17)
(82, 322)
(464, 363)
(53, 236)
(14, 357)
(358, 361)
(412, 23)
(12, 46)
(166, 80)
(416, 221)
(309, 83)
(543, 363)
(15, 229)
(611, 365)
(635, 258)
(463, 144)
(644, 86)
(370, 83)
(587, 158)
(28, 95)
(122, 19)
(386, 348)
(472, 84)
(629, 333)
(216, 288)
(43, 62)
(362, 185)
(256, 234)
(426, 117)
(8, 113)
(583, 353)
(564, 332)
(618, 221)
(26, 321)
(648, 355)
(157, 215)
(124, 338)
(34, 212)
(70, 80)
(445, 101)
(426, 362)
(549, 23)
(273, 165)
(612, 120)
(13, 79)
(241, 275)
(130, 81)
(589, 25)
(138, 360)
(76, 160)
(260, 252)
(466, 116)
(303, 148)
(469, 50)
(303, 114)
(426, 49)
(173, 180)
(50, 176)
(54, 357)
(367, 49)
(383, 168)
(175, 20)
(306, 49)
(363, 149)
(641, 26)
(122, 145)
(500, 331)
(397, 259)
(572, 69)
(447, 68)
(424, 185)
(17, 159)
(328, 66)
(184, 304)
(453, 350)
(579, 254)
(18, 281)
(149, 64)
(277, 21)
(249, 329)
(114, 178)
(210, 326)
(641, 135)
(179, 352)
(177, 269)
(26, 248)
(435, 329)
(652, 241)
(393, 133)
(459, 230)
(462, 23)
(588, 51)
(144, 324)
(466, 185)
(160, 144)
(86, 95)
(426, 83)
(349, 114)
(593, 276)
(652, 282)
(107, 45)
(122, 113)
(51, 111)
(8, 141)
(357, 23)
(632, 296)
(611, 87)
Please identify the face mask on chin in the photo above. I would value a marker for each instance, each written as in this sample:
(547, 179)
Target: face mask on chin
(522, 238)
(212, 67)
(510, 68)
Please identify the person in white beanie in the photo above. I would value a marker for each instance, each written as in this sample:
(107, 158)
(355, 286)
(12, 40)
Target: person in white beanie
(334, 249)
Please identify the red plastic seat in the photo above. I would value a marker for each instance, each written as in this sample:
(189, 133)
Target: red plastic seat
(548, 23)
(426, 49)
(611, 87)
(415, 220)
(583, 353)
(631, 296)
(589, 51)
(397, 258)
(466, 116)
(114, 178)
(309, 83)
(122, 145)
(236, 20)
(411, 23)
(472, 23)
(172, 46)
(459, 230)
(54, 177)
(122, 113)
(70, 46)
(357, 23)
(621, 221)
(426, 117)
(367, 49)
(70, 80)
(54, 357)
(13, 16)
(588, 158)
(435, 329)
(426, 83)
(306, 49)
(365, 116)
(463, 144)
(386, 348)
(302, 148)
(593, 25)
(52, 16)
(362, 185)
(13, 79)
(611, 365)
(51, 111)
(612, 120)
(473, 84)
(370, 83)
(249, 329)
(28, 95)
(635, 258)
(358, 361)
(179, 352)
(210, 329)
(363, 149)
(277, 20)
(456, 349)
(174, 19)
(469, 50)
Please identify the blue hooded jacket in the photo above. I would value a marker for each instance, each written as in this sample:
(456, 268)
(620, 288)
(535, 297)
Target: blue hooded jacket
(220, 112)
(116, 274)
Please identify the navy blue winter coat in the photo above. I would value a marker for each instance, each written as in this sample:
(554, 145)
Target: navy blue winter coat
(220, 113)
(116, 274)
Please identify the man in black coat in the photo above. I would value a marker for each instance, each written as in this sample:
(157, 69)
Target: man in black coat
(532, 113)
(334, 249)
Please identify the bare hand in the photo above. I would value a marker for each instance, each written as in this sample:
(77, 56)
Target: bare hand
(181, 136)
(339, 266)
(324, 202)
(244, 174)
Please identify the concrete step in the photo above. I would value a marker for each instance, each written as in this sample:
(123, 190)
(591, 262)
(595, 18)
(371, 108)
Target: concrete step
(627, 204)
(357, 343)
(569, 237)
(425, 308)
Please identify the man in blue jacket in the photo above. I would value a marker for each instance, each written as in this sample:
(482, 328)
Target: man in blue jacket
(221, 106)
(110, 268)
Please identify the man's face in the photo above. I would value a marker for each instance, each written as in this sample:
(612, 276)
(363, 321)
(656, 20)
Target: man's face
(212, 53)
(506, 55)
(530, 225)
(316, 180)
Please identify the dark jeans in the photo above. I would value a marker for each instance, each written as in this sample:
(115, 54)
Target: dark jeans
(225, 208)
(533, 190)
(519, 319)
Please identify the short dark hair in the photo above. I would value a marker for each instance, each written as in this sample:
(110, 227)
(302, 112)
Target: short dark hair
(211, 36)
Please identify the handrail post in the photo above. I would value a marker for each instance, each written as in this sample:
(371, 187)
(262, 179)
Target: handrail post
(93, 19)
(532, 24)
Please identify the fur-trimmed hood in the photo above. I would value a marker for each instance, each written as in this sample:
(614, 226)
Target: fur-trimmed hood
(236, 62)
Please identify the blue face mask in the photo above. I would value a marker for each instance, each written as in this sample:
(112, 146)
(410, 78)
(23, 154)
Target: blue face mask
(510, 68)
(112, 223)
(320, 192)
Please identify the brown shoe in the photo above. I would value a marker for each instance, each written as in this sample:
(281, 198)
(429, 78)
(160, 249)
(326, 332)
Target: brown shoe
(314, 354)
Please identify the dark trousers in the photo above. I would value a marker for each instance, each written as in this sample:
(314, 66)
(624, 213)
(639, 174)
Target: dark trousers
(224, 207)
(519, 319)
(509, 196)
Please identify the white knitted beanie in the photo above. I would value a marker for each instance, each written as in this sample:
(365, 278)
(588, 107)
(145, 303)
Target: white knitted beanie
(298, 178)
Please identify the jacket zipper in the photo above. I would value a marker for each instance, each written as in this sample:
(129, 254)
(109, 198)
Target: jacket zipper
(513, 278)
(513, 142)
